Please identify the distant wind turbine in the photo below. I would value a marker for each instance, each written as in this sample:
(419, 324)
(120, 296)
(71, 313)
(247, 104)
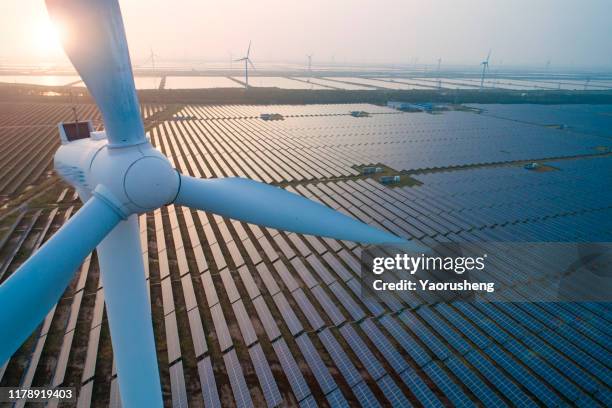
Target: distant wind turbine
(152, 58)
(309, 56)
(247, 61)
(485, 67)
(439, 63)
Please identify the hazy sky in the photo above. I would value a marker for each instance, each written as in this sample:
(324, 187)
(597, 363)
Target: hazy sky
(568, 32)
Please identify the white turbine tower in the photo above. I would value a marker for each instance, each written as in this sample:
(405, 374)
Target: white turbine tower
(119, 175)
(309, 56)
(485, 67)
(439, 79)
(152, 57)
(247, 61)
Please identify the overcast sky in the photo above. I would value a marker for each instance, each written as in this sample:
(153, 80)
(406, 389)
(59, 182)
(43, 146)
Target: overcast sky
(570, 33)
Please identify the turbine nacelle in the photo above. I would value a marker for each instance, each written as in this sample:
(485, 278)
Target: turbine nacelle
(133, 179)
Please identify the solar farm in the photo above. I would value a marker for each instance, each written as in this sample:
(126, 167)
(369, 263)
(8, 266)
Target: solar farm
(250, 316)
(304, 81)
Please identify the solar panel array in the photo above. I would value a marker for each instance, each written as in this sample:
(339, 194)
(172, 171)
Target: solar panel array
(28, 140)
(304, 148)
(250, 316)
(589, 119)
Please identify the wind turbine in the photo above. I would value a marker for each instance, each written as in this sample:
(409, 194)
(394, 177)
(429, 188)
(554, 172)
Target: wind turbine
(485, 67)
(439, 79)
(247, 61)
(152, 57)
(118, 175)
(309, 56)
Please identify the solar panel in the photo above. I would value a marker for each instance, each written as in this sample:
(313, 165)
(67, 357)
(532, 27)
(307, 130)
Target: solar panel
(406, 340)
(420, 389)
(177, 385)
(326, 303)
(304, 273)
(466, 328)
(197, 332)
(244, 322)
(248, 282)
(496, 377)
(291, 320)
(85, 393)
(318, 368)
(284, 246)
(291, 370)
(341, 360)
(336, 399)
(384, 346)
(309, 402)
(265, 316)
(392, 392)
(267, 279)
(167, 297)
(269, 251)
(188, 292)
(308, 309)
(452, 337)
(299, 244)
(172, 339)
(223, 335)
(337, 267)
(285, 275)
(115, 397)
(363, 352)
(230, 287)
(264, 374)
(451, 390)
(320, 269)
(474, 383)
(208, 384)
(209, 289)
(242, 397)
(252, 251)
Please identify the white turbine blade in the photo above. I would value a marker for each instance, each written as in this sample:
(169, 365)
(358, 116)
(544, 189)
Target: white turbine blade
(31, 291)
(248, 50)
(95, 42)
(129, 316)
(258, 203)
(251, 62)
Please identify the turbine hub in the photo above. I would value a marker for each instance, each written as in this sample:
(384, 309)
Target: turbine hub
(151, 182)
(133, 179)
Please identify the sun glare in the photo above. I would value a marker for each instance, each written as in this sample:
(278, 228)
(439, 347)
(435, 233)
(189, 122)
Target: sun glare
(46, 38)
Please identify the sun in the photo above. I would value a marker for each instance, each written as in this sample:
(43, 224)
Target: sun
(46, 38)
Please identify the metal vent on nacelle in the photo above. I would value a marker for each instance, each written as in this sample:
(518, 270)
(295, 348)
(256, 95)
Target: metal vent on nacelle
(71, 131)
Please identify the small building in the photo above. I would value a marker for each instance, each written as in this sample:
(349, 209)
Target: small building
(371, 170)
(271, 116)
(390, 179)
(416, 107)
